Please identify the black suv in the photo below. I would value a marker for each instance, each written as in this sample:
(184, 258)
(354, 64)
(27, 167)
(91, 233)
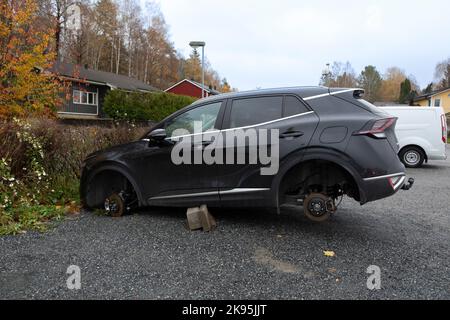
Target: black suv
(331, 143)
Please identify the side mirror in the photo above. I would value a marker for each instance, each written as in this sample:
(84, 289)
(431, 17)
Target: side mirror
(158, 135)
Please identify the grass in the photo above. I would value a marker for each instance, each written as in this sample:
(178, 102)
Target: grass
(36, 217)
(40, 161)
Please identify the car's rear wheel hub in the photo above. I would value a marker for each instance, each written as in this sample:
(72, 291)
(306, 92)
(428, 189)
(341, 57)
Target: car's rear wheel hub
(318, 207)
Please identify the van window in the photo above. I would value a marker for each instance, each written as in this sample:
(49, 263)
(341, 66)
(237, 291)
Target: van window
(293, 106)
(246, 112)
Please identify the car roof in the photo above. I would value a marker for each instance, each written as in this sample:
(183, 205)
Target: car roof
(303, 92)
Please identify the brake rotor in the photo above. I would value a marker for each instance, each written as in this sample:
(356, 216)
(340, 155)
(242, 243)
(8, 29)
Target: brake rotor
(318, 207)
(115, 205)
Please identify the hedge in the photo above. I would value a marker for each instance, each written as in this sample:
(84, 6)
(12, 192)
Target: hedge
(143, 106)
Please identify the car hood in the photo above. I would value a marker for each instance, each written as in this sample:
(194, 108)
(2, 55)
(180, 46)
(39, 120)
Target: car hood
(116, 151)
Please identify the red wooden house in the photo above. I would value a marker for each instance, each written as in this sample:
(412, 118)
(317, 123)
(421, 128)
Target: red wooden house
(191, 88)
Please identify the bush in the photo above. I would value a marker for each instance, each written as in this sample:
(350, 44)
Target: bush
(143, 106)
(40, 161)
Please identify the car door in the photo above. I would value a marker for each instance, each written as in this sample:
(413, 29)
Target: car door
(167, 180)
(295, 123)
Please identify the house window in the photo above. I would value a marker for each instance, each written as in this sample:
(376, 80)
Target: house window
(437, 102)
(84, 97)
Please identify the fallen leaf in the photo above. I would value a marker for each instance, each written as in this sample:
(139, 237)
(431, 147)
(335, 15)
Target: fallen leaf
(328, 253)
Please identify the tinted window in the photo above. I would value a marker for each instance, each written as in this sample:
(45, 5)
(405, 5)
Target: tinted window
(245, 112)
(205, 115)
(293, 106)
(372, 108)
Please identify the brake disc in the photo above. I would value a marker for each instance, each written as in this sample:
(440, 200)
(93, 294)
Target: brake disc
(318, 207)
(115, 205)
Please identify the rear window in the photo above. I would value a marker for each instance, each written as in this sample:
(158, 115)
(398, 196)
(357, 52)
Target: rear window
(250, 111)
(372, 108)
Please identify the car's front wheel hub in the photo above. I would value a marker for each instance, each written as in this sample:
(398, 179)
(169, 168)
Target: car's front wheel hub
(115, 205)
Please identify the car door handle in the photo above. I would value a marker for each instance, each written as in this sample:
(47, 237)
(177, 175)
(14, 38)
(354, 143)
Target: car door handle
(291, 134)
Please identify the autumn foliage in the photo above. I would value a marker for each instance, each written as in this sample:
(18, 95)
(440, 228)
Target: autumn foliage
(25, 55)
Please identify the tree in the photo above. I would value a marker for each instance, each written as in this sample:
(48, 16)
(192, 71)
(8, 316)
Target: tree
(341, 76)
(117, 36)
(390, 86)
(429, 88)
(106, 20)
(405, 91)
(225, 86)
(370, 80)
(193, 67)
(25, 55)
(55, 14)
(442, 74)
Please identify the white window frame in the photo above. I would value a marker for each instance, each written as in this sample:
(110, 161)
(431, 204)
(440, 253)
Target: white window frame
(80, 92)
(436, 100)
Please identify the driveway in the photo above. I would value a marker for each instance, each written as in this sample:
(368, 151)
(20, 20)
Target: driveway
(253, 254)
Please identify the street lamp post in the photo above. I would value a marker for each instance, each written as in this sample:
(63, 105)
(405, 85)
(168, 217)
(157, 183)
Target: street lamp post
(326, 73)
(195, 45)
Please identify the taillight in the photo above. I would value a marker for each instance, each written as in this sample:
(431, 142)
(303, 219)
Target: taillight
(444, 128)
(378, 127)
(396, 182)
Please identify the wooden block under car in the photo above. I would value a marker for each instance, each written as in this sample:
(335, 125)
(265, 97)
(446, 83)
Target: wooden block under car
(206, 218)
(193, 217)
(200, 218)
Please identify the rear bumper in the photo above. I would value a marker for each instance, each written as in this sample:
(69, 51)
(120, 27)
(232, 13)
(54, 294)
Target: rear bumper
(379, 187)
(437, 157)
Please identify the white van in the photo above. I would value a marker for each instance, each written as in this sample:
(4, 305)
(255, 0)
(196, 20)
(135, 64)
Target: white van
(421, 133)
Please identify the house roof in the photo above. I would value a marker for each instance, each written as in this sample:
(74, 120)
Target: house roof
(113, 80)
(195, 83)
(431, 94)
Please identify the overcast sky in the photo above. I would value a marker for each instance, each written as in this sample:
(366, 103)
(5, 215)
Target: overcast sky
(260, 43)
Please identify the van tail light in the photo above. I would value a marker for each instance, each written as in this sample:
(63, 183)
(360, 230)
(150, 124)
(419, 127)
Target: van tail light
(444, 128)
(378, 128)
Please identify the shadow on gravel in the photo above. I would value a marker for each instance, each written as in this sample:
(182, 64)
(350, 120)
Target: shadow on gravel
(428, 167)
(290, 220)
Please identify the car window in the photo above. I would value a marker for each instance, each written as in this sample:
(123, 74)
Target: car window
(206, 115)
(293, 106)
(372, 108)
(245, 112)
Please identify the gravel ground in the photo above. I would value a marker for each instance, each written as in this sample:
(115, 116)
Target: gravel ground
(252, 254)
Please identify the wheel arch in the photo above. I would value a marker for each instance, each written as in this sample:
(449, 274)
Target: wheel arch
(333, 156)
(114, 167)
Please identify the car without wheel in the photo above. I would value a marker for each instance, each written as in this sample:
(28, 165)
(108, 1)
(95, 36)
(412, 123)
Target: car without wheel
(331, 143)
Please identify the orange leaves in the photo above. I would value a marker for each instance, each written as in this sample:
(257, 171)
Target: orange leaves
(24, 52)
